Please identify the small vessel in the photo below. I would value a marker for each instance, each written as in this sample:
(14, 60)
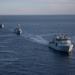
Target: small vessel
(18, 30)
(61, 43)
(1, 25)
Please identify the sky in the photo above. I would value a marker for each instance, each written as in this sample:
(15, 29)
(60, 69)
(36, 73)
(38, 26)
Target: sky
(37, 7)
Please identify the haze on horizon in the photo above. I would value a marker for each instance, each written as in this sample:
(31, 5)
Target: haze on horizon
(36, 7)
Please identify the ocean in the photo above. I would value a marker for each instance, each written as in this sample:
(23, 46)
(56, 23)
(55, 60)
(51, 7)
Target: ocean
(29, 53)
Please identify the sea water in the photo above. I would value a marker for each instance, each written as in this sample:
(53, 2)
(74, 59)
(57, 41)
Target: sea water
(29, 53)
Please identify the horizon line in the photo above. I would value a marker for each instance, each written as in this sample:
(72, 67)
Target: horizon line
(33, 14)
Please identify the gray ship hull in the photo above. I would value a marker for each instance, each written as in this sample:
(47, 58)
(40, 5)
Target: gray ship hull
(18, 31)
(63, 48)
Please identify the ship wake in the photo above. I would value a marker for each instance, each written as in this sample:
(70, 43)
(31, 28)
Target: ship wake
(36, 38)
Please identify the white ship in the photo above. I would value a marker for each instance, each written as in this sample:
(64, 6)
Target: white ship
(18, 30)
(1, 25)
(61, 43)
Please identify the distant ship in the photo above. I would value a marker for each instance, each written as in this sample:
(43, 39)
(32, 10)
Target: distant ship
(61, 43)
(1, 25)
(18, 30)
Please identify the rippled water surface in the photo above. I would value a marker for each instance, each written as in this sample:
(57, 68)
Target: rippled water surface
(29, 54)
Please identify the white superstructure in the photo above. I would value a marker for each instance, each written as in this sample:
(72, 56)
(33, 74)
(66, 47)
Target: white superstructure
(1, 25)
(18, 30)
(61, 43)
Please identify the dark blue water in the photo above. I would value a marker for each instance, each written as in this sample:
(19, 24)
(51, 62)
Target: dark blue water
(29, 54)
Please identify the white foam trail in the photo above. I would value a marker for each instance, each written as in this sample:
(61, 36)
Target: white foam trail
(35, 38)
(39, 39)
